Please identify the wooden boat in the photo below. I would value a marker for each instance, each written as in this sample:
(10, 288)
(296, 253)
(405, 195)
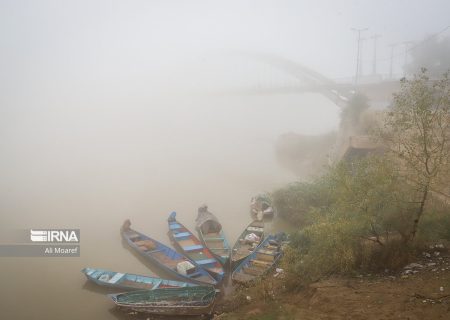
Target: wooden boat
(191, 246)
(261, 261)
(250, 238)
(212, 236)
(130, 281)
(176, 301)
(165, 257)
(261, 207)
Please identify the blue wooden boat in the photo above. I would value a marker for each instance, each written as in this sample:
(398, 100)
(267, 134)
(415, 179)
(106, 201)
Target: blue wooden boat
(130, 281)
(165, 257)
(249, 239)
(190, 245)
(260, 262)
(212, 236)
(176, 301)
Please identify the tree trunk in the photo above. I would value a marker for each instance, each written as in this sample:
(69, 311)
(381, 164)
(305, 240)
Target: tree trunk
(420, 210)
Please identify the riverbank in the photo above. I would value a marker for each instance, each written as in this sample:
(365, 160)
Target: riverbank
(419, 291)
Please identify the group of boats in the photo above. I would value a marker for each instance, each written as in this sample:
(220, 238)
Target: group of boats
(199, 264)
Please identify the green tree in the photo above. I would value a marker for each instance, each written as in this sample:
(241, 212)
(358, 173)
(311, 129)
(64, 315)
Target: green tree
(371, 193)
(417, 132)
(350, 218)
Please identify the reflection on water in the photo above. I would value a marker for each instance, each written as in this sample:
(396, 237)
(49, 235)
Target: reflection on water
(92, 167)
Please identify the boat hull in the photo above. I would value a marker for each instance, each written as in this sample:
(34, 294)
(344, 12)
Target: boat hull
(212, 236)
(188, 244)
(221, 250)
(129, 281)
(169, 255)
(169, 311)
(259, 263)
(181, 301)
(241, 249)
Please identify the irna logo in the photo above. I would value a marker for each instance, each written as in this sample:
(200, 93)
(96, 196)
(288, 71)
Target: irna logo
(66, 235)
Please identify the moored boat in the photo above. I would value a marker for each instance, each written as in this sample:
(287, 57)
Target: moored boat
(260, 262)
(212, 236)
(250, 238)
(165, 257)
(176, 301)
(191, 246)
(261, 207)
(131, 281)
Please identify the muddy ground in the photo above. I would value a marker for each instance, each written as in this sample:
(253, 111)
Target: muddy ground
(419, 291)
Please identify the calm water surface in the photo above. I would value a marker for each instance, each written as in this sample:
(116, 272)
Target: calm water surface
(91, 166)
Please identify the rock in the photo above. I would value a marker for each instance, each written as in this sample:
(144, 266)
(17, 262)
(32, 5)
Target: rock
(249, 298)
(409, 271)
(437, 253)
(441, 289)
(426, 254)
(431, 264)
(413, 266)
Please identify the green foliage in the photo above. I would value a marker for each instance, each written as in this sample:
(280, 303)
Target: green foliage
(329, 246)
(372, 192)
(417, 128)
(369, 191)
(435, 225)
(297, 202)
(359, 226)
(417, 134)
(365, 214)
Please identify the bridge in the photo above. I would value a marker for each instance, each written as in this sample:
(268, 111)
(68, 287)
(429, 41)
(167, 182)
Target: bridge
(308, 80)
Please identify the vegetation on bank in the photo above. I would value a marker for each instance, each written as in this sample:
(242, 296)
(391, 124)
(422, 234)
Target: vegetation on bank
(372, 213)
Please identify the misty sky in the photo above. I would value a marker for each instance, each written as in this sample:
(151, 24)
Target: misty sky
(49, 46)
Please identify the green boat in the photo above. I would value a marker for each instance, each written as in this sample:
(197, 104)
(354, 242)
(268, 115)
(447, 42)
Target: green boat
(174, 301)
(250, 238)
(130, 281)
(260, 262)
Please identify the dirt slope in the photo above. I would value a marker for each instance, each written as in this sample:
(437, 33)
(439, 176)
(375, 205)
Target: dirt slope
(421, 291)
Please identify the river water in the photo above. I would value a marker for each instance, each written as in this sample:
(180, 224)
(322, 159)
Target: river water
(92, 166)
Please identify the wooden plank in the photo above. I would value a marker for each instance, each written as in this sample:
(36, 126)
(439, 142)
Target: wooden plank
(264, 257)
(260, 262)
(252, 271)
